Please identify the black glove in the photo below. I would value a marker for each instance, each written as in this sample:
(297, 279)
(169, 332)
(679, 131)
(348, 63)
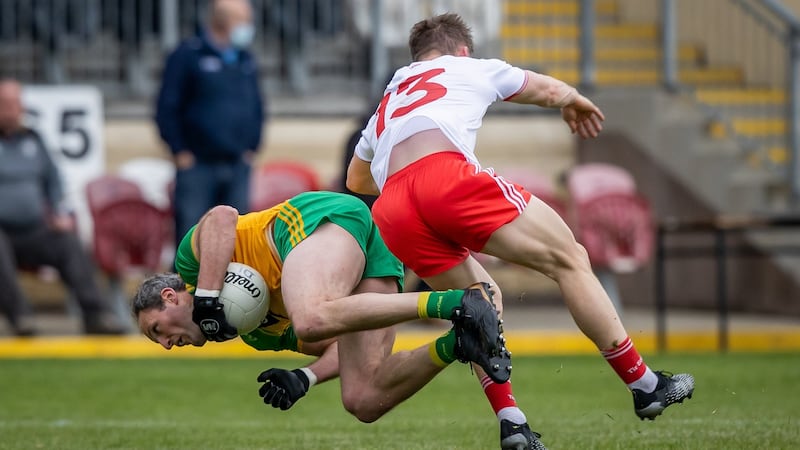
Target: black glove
(283, 388)
(209, 316)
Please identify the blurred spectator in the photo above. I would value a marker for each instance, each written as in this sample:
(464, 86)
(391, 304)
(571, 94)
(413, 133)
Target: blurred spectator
(36, 228)
(210, 113)
(352, 140)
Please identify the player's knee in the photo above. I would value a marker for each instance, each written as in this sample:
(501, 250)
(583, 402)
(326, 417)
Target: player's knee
(569, 259)
(581, 257)
(362, 408)
(311, 326)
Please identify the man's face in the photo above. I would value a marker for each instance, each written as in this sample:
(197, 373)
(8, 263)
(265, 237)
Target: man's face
(10, 106)
(173, 324)
(241, 14)
(234, 13)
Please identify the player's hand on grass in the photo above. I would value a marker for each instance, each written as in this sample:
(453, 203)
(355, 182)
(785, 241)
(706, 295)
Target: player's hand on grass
(210, 317)
(283, 388)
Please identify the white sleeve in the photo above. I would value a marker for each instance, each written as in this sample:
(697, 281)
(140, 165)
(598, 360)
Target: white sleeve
(507, 80)
(363, 150)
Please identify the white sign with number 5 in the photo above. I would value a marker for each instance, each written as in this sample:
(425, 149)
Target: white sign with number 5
(70, 121)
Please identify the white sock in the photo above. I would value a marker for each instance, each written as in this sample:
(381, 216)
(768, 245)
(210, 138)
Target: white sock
(647, 383)
(513, 414)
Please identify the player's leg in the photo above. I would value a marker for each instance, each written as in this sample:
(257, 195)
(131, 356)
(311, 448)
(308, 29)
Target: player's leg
(320, 273)
(514, 430)
(540, 239)
(373, 379)
(12, 299)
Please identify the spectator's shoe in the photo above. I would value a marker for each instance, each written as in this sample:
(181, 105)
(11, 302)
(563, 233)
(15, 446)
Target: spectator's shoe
(518, 437)
(479, 333)
(670, 389)
(104, 323)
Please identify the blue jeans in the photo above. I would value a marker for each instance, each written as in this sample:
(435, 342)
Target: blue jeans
(205, 185)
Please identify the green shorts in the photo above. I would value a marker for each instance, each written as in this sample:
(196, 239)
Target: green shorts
(305, 212)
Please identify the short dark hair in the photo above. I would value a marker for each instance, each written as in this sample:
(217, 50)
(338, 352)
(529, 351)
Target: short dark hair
(445, 33)
(149, 293)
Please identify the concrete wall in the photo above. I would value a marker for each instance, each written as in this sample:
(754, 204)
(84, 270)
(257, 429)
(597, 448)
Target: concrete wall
(543, 142)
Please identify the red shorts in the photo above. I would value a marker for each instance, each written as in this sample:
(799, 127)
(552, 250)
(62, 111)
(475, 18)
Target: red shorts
(433, 211)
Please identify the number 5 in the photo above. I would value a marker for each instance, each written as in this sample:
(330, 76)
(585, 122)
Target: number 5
(71, 125)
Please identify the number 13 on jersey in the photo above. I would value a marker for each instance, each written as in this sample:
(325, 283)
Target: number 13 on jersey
(404, 99)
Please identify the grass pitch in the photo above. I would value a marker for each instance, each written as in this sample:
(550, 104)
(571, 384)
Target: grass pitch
(576, 402)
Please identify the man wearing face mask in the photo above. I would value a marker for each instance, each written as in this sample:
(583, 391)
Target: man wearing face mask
(210, 113)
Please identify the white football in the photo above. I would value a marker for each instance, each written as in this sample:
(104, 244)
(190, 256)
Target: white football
(244, 297)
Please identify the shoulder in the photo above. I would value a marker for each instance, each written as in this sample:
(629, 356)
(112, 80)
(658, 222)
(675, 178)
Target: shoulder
(492, 63)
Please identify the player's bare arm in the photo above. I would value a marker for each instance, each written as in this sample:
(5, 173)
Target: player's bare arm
(581, 115)
(326, 367)
(213, 244)
(359, 178)
(283, 388)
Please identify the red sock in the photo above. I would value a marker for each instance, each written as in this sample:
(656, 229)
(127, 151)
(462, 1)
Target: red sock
(499, 395)
(625, 360)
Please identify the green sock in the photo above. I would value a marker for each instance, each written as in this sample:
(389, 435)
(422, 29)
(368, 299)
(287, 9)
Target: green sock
(442, 349)
(439, 304)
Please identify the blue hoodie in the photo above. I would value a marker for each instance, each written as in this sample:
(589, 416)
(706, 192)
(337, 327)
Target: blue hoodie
(210, 101)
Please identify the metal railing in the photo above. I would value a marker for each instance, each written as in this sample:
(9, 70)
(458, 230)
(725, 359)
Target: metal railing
(119, 45)
(721, 250)
(304, 47)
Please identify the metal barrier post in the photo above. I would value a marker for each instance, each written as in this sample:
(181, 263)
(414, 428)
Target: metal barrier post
(794, 115)
(588, 69)
(170, 24)
(668, 43)
(721, 254)
(660, 294)
(380, 61)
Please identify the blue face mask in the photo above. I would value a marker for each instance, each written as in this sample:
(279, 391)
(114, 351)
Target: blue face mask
(242, 35)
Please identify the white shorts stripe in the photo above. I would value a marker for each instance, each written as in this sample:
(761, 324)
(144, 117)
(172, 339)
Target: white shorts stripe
(509, 192)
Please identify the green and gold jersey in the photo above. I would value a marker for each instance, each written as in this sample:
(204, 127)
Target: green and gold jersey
(289, 223)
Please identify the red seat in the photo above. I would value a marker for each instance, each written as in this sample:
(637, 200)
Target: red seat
(275, 182)
(108, 189)
(129, 233)
(617, 230)
(586, 181)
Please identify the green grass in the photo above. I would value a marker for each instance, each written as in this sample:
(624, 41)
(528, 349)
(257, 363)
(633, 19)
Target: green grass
(742, 401)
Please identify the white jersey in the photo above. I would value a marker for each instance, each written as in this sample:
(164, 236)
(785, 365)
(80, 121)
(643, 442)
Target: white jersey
(451, 93)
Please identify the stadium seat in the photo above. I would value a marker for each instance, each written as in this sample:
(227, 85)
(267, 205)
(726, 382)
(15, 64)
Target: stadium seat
(275, 182)
(154, 176)
(109, 189)
(609, 217)
(586, 181)
(129, 233)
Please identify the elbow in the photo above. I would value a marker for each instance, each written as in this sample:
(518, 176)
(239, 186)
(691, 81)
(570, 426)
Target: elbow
(352, 185)
(357, 184)
(224, 214)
